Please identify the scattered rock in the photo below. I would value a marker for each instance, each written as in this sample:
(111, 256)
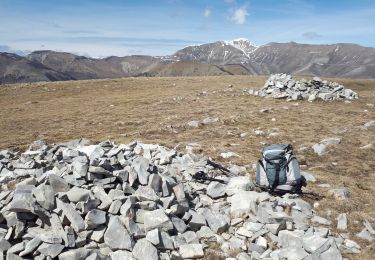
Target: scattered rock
(365, 235)
(229, 155)
(367, 146)
(340, 194)
(369, 124)
(191, 251)
(342, 221)
(308, 176)
(321, 148)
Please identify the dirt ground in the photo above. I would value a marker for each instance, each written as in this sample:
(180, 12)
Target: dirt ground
(157, 110)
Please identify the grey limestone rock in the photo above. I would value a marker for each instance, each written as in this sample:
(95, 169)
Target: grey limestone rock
(193, 251)
(116, 235)
(157, 219)
(144, 250)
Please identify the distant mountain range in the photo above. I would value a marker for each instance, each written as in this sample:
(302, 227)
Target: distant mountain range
(237, 57)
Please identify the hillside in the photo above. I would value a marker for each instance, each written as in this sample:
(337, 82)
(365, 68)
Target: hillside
(236, 57)
(17, 69)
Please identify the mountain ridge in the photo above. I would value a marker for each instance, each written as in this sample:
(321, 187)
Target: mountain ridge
(238, 56)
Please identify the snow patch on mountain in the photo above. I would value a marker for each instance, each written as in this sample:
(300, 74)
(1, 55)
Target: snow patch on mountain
(242, 44)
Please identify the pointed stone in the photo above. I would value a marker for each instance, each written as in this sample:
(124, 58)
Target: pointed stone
(116, 236)
(72, 215)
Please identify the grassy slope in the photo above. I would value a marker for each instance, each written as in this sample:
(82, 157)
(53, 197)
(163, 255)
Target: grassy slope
(157, 109)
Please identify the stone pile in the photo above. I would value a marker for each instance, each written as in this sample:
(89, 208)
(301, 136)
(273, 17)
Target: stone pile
(140, 201)
(283, 86)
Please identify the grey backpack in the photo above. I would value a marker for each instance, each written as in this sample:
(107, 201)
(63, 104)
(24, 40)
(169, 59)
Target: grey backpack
(278, 170)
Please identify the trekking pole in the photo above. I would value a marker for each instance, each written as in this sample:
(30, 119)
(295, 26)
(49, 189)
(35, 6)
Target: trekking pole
(202, 176)
(220, 167)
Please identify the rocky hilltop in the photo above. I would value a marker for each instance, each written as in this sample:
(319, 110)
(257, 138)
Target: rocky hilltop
(236, 57)
(145, 201)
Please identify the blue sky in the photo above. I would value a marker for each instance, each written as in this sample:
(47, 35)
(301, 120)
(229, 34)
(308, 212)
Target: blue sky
(102, 28)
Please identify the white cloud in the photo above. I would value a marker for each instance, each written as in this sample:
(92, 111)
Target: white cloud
(207, 12)
(239, 15)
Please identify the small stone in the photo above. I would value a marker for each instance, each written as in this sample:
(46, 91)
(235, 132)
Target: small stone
(320, 220)
(80, 166)
(196, 221)
(155, 182)
(210, 120)
(166, 243)
(308, 176)
(275, 228)
(76, 194)
(241, 202)
(153, 236)
(45, 196)
(95, 218)
(51, 250)
(262, 242)
(23, 200)
(193, 124)
(141, 165)
(98, 234)
(342, 221)
(191, 251)
(116, 236)
(369, 124)
(320, 149)
(69, 233)
(365, 235)
(340, 194)
(145, 193)
(17, 248)
(121, 255)
(229, 155)
(4, 245)
(76, 254)
(72, 215)
(238, 183)
(216, 190)
(179, 224)
(157, 219)
(31, 246)
(243, 256)
(366, 147)
(115, 207)
(92, 151)
(315, 244)
(291, 238)
(57, 183)
(205, 232)
(144, 250)
(352, 246)
(368, 226)
(101, 195)
(216, 221)
(295, 253)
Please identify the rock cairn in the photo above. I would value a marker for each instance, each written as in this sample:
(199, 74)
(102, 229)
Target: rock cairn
(140, 201)
(284, 86)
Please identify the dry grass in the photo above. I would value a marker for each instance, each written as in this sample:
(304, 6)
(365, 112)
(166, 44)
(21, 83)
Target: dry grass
(150, 109)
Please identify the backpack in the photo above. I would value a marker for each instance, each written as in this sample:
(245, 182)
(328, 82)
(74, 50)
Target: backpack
(278, 171)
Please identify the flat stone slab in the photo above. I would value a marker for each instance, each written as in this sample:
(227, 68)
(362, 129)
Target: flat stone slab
(191, 251)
